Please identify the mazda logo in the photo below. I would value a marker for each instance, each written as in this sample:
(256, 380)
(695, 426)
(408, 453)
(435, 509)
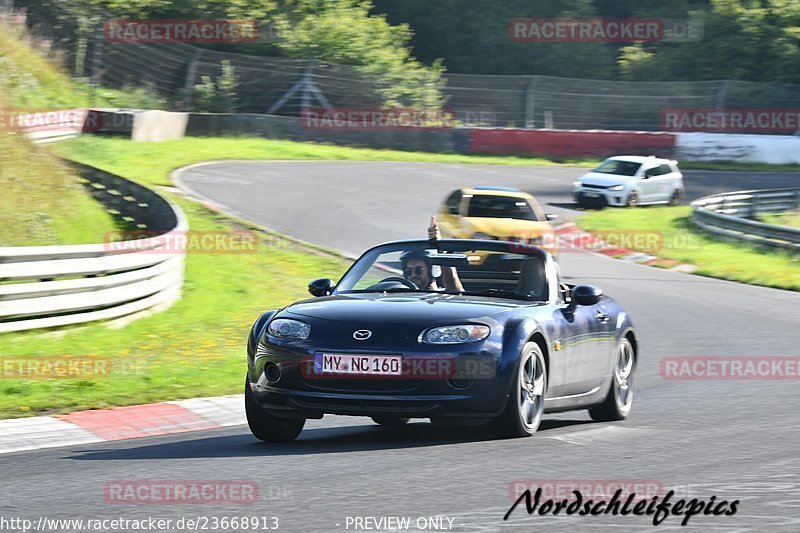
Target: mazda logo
(362, 334)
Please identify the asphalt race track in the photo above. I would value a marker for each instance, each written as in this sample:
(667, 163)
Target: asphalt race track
(729, 439)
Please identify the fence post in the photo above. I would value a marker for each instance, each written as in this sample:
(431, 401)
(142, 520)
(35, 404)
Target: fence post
(753, 212)
(530, 101)
(721, 92)
(97, 63)
(191, 75)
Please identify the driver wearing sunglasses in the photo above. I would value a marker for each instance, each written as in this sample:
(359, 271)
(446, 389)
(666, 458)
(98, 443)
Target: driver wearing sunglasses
(418, 267)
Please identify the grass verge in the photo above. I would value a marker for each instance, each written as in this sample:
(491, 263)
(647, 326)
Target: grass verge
(679, 240)
(42, 202)
(791, 219)
(150, 156)
(194, 349)
(147, 158)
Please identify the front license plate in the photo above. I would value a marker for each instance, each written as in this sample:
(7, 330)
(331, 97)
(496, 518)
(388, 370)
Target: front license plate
(373, 365)
(592, 194)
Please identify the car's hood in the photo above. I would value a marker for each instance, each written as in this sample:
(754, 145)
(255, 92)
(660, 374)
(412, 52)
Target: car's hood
(508, 227)
(596, 178)
(401, 308)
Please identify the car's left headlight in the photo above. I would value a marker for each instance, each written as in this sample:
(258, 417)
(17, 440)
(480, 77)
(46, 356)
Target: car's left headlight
(616, 188)
(289, 329)
(454, 334)
(577, 184)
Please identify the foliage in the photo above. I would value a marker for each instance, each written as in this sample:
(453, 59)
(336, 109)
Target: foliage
(344, 32)
(756, 40)
(217, 96)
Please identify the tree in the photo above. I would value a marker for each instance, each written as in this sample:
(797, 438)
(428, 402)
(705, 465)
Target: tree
(217, 96)
(756, 40)
(344, 32)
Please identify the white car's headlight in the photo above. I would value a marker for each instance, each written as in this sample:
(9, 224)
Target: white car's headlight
(577, 184)
(454, 334)
(616, 188)
(289, 329)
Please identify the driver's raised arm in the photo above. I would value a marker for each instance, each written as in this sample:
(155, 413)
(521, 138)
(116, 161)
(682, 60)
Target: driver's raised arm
(450, 278)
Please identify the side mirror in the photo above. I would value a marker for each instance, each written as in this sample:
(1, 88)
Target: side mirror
(583, 295)
(550, 216)
(648, 174)
(321, 287)
(452, 210)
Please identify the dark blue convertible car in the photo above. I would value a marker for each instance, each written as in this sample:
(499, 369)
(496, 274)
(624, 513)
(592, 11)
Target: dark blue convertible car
(456, 331)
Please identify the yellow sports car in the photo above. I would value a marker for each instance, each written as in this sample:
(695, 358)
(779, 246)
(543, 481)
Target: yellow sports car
(497, 213)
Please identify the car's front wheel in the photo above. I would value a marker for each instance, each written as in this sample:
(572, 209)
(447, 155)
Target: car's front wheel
(266, 427)
(525, 407)
(619, 401)
(676, 197)
(633, 199)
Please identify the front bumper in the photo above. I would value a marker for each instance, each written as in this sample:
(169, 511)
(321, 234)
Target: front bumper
(601, 198)
(297, 393)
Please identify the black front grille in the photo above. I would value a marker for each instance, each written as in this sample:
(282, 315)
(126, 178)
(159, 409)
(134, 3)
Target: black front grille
(363, 384)
(590, 186)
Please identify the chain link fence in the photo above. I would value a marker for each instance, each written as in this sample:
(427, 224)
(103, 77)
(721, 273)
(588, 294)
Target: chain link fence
(284, 86)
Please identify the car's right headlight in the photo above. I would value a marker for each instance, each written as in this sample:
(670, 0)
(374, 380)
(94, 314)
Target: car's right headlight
(454, 334)
(289, 329)
(616, 188)
(577, 184)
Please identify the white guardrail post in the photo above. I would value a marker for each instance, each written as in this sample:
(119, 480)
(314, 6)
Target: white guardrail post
(49, 286)
(731, 215)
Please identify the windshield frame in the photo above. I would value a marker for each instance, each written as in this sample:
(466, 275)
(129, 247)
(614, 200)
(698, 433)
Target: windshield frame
(367, 261)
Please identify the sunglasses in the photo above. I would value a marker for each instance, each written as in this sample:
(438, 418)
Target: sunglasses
(408, 271)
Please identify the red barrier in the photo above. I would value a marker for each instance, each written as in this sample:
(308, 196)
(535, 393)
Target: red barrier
(571, 143)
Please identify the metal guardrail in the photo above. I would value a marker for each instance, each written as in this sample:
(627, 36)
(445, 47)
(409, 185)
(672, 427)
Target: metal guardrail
(82, 283)
(53, 126)
(731, 214)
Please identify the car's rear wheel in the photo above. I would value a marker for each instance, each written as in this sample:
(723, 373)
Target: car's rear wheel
(619, 401)
(266, 427)
(523, 413)
(633, 199)
(390, 420)
(676, 197)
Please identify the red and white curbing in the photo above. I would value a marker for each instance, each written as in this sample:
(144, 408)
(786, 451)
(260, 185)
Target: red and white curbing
(120, 423)
(569, 233)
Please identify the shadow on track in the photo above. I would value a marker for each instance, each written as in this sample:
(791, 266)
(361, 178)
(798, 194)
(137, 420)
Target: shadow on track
(312, 441)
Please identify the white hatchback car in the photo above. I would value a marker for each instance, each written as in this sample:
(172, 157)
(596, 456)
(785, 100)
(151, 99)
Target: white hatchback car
(629, 180)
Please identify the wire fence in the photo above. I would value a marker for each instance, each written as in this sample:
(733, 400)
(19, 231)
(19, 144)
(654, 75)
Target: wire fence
(285, 86)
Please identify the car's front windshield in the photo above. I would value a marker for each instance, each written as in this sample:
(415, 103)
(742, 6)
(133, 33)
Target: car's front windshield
(488, 271)
(493, 206)
(619, 167)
